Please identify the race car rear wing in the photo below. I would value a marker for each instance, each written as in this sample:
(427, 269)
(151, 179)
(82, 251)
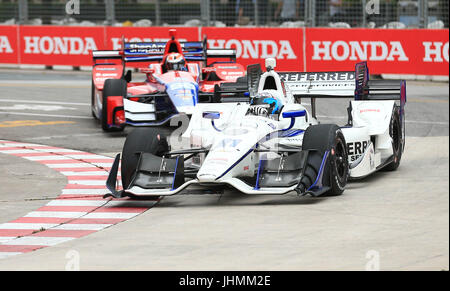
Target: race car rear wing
(320, 84)
(107, 57)
(154, 57)
(221, 53)
(344, 84)
(194, 51)
(106, 54)
(155, 51)
(242, 89)
(232, 92)
(189, 55)
(137, 52)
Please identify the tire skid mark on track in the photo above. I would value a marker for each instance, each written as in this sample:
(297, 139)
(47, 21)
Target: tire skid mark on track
(80, 208)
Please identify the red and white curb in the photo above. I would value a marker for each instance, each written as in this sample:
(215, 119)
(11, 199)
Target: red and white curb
(78, 211)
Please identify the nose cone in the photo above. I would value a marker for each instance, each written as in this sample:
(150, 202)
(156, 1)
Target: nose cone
(183, 95)
(215, 164)
(206, 178)
(189, 110)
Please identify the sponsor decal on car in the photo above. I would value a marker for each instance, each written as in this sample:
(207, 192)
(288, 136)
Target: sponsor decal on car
(356, 149)
(319, 76)
(105, 69)
(369, 110)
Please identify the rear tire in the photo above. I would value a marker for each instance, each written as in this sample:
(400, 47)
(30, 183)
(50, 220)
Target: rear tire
(395, 131)
(323, 138)
(143, 139)
(112, 87)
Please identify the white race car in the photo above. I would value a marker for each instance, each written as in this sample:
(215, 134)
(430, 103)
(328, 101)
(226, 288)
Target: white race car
(271, 144)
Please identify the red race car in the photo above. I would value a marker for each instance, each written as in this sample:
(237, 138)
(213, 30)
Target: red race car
(178, 76)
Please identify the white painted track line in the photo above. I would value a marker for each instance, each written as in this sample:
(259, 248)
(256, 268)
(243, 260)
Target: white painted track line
(74, 226)
(48, 115)
(5, 239)
(110, 215)
(39, 241)
(85, 191)
(59, 214)
(43, 102)
(8, 254)
(48, 158)
(79, 165)
(88, 182)
(73, 202)
(90, 173)
(33, 226)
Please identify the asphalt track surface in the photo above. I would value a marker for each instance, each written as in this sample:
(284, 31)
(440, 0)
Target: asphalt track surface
(399, 219)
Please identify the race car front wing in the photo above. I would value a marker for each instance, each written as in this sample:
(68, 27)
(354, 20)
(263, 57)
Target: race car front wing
(163, 176)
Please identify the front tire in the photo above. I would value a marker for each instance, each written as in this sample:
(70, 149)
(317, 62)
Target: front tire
(93, 101)
(395, 131)
(143, 139)
(112, 87)
(324, 138)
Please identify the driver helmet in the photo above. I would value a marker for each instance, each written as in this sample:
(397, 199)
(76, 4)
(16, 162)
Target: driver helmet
(267, 98)
(175, 62)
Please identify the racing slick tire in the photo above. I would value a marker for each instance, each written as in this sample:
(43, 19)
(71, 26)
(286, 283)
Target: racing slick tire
(112, 87)
(142, 139)
(395, 131)
(93, 101)
(322, 138)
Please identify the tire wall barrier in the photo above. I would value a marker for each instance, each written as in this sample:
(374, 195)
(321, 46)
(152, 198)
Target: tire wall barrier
(387, 51)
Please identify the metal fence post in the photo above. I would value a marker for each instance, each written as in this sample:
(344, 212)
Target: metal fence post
(255, 2)
(213, 11)
(423, 13)
(310, 13)
(364, 16)
(23, 11)
(204, 11)
(306, 13)
(157, 13)
(110, 12)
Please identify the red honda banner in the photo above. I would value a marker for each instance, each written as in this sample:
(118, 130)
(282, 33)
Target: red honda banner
(387, 51)
(9, 53)
(59, 45)
(254, 45)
